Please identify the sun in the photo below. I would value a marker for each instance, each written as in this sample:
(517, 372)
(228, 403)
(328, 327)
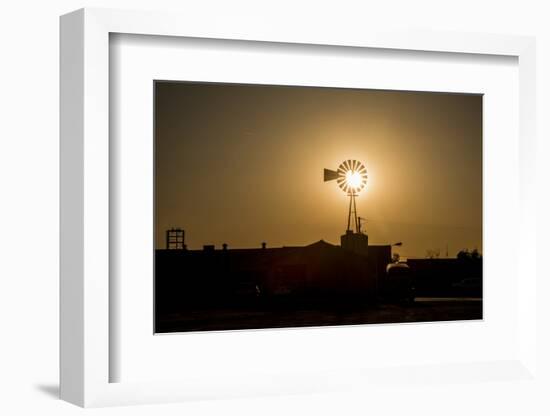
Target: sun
(353, 179)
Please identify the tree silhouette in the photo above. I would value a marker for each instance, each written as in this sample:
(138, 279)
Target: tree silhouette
(466, 255)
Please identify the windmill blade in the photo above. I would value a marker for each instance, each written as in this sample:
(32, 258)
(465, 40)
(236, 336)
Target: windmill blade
(329, 175)
(341, 183)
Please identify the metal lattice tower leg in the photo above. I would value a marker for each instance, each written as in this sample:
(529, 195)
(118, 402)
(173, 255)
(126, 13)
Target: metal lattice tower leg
(352, 211)
(355, 215)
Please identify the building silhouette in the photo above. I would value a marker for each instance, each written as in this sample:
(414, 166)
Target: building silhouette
(319, 272)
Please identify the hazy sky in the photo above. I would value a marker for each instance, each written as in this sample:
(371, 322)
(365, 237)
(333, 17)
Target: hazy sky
(242, 164)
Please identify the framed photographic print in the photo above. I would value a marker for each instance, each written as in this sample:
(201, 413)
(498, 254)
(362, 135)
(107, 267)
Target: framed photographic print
(238, 167)
(272, 212)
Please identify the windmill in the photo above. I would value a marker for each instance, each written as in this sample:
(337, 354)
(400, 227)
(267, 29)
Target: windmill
(351, 176)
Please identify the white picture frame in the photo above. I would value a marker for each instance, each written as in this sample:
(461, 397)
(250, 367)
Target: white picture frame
(85, 220)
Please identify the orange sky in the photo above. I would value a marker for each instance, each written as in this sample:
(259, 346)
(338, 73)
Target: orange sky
(242, 164)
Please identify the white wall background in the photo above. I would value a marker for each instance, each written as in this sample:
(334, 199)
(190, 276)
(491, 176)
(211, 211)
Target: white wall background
(29, 206)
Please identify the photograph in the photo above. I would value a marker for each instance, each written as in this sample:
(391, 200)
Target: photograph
(279, 206)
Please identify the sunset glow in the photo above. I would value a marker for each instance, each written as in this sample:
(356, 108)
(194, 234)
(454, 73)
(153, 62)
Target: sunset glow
(242, 164)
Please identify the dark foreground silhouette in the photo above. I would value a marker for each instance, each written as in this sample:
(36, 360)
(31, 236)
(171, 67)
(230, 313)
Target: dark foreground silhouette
(316, 285)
